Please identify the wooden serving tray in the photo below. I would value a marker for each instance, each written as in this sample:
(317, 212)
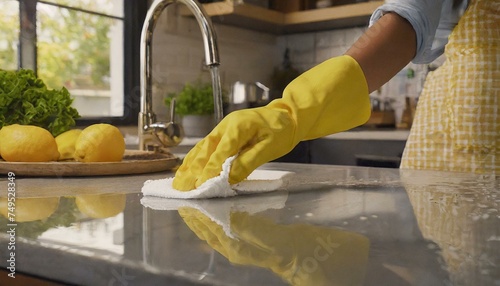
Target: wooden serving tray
(134, 162)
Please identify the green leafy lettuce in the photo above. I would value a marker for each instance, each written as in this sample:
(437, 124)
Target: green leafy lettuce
(26, 100)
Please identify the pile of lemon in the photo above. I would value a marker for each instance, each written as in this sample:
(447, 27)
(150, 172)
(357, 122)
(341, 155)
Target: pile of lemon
(95, 143)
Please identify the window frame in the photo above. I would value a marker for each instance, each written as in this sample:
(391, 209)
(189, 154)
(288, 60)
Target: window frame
(133, 19)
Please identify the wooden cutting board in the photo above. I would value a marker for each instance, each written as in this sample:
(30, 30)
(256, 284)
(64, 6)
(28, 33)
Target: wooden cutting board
(134, 162)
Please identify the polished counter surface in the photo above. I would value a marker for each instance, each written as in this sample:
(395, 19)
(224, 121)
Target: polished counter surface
(328, 225)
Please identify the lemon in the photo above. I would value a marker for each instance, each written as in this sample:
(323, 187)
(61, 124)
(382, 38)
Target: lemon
(31, 209)
(101, 205)
(27, 143)
(100, 143)
(66, 143)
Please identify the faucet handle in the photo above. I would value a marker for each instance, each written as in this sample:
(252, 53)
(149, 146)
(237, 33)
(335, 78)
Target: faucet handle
(169, 134)
(172, 110)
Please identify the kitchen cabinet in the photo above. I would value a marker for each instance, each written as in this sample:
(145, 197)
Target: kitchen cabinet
(360, 148)
(262, 19)
(371, 148)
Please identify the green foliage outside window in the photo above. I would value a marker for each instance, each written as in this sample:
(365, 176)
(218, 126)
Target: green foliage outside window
(9, 29)
(73, 47)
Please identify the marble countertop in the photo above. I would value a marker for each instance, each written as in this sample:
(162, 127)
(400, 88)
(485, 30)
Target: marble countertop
(398, 135)
(328, 225)
(390, 135)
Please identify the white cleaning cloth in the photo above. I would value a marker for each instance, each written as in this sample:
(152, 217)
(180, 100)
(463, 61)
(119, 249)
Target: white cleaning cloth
(219, 210)
(259, 181)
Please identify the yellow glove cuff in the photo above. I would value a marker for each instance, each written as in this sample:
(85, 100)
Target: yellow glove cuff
(329, 98)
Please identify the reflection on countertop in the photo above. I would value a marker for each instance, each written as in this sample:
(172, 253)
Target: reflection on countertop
(329, 225)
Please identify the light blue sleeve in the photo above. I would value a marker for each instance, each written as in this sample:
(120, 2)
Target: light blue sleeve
(426, 16)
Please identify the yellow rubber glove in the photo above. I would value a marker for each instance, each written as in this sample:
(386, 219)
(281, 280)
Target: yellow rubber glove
(301, 254)
(329, 98)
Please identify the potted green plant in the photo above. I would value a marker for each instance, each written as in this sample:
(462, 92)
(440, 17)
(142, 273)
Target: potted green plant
(195, 103)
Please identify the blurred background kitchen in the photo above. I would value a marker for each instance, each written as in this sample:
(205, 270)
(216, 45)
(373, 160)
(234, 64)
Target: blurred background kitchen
(92, 48)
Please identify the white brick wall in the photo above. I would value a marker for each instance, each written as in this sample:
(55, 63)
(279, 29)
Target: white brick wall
(178, 56)
(310, 49)
(245, 55)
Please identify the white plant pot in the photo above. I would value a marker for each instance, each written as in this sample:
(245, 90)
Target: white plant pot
(197, 125)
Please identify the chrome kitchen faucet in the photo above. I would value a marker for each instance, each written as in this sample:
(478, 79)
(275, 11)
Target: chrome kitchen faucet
(148, 127)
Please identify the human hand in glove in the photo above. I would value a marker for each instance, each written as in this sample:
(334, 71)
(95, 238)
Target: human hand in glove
(301, 254)
(329, 98)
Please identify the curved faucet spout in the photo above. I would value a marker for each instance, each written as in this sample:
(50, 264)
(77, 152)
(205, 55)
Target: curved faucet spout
(147, 118)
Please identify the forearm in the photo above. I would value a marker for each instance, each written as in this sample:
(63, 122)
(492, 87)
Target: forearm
(384, 49)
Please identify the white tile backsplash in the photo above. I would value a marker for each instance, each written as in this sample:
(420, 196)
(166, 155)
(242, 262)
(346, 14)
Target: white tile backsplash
(352, 35)
(310, 49)
(301, 42)
(327, 53)
(245, 55)
(178, 56)
(329, 39)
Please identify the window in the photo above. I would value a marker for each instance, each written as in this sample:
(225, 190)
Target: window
(91, 47)
(9, 31)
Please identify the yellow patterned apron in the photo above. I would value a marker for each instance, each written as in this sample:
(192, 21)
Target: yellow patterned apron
(457, 123)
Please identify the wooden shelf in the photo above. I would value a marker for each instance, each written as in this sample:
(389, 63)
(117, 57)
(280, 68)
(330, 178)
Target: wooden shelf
(266, 20)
